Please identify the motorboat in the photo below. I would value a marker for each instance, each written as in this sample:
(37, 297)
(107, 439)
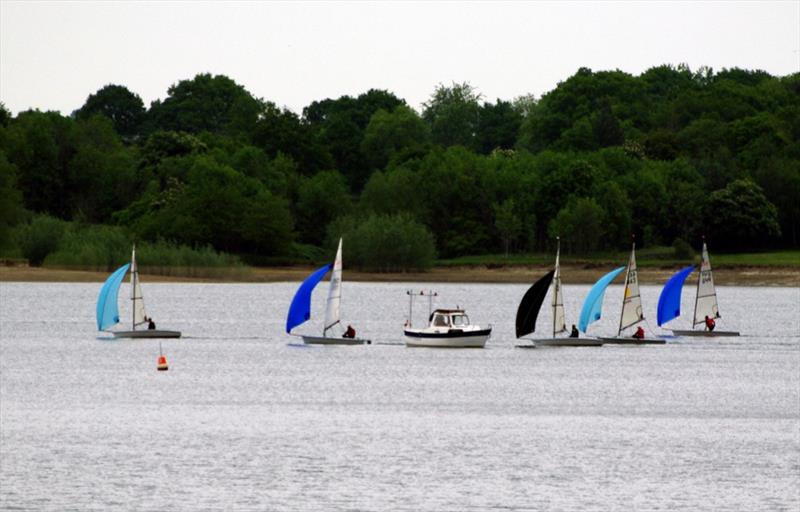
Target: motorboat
(447, 328)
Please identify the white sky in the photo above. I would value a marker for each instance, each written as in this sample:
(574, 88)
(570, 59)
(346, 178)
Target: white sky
(54, 54)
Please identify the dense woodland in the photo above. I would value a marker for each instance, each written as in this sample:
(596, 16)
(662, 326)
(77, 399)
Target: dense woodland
(669, 155)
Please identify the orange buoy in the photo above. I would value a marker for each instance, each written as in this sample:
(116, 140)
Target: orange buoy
(162, 365)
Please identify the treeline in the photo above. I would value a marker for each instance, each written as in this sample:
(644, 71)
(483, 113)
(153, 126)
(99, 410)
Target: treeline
(668, 155)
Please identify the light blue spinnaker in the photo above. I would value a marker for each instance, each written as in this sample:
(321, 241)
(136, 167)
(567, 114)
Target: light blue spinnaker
(590, 312)
(107, 311)
(300, 309)
(669, 302)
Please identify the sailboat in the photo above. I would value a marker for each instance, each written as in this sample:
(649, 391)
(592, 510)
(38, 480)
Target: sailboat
(300, 308)
(107, 308)
(705, 303)
(532, 302)
(631, 313)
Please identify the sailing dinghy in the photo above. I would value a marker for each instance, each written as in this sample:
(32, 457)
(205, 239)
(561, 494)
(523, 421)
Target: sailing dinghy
(107, 308)
(631, 313)
(532, 302)
(705, 303)
(300, 308)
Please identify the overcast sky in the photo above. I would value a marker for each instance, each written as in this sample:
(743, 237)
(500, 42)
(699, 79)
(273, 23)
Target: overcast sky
(54, 54)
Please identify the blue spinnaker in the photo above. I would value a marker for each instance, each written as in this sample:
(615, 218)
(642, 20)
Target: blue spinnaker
(107, 311)
(300, 309)
(590, 312)
(669, 302)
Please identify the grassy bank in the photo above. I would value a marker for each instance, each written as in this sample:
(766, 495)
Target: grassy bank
(653, 257)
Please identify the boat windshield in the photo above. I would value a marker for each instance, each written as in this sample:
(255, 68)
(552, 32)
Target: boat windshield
(460, 320)
(441, 321)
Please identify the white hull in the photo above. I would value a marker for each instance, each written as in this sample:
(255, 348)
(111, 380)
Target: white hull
(417, 339)
(705, 334)
(322, 340)
(147, 333)
(568, 342)
(633, 341)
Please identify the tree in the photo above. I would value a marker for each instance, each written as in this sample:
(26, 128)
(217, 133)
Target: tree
(206, 103)
(508, 225)
(607, 131)
(10, 199)
(390, 134)
(385, 243)
(498, 125)
(40, 145)
(280, 131)
(580, 225)
(740, 217)
(453, 115)
(321, 199)
(124, 108)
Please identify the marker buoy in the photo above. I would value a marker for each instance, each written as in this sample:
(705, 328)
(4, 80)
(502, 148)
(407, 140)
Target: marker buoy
(162, 365)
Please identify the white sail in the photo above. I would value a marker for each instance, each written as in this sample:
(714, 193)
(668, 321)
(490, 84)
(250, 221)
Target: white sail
(332, 310)
(706, 302)
(136, 293)
(631, 302)
(559, 319)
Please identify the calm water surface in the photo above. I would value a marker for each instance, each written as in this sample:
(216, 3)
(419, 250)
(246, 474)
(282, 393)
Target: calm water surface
(245, 419)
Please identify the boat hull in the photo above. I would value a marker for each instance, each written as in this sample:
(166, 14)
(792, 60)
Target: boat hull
(633, 341)
(568, 342)
(147, 333)
(705, 334)
(322, 340)
(468, 339)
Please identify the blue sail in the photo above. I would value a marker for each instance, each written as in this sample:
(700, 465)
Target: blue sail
(590, 312)
(107, 311)
(300, 309)
(669, 302)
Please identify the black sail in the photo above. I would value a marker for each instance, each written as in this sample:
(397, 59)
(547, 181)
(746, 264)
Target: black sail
(531, 303)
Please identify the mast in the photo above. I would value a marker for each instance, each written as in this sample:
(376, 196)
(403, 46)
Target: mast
(697, 291)
(134, 280)
(333, 305)
(137, 299)
(556, 286)
(625, 291)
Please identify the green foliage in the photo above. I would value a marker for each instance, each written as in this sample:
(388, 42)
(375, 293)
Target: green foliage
(124, 108)
(670, 154)
(508, 225)
(741, 217)
(10, 200)
(391, 135)
(384, 243)
(205, 103)
(321, 199)
(105, 248)
(39, 238)
(453, 114)
(580, 225)
(683, 251)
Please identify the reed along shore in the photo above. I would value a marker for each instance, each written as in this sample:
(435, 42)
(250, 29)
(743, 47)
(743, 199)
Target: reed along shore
(571, 274)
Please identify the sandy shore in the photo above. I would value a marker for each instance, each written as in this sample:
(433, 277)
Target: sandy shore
(741, 276)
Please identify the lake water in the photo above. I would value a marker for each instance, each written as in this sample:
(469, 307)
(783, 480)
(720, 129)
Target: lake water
(245, 419)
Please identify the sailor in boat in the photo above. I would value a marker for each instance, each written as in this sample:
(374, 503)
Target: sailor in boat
(574, 333)
(639, 334)
(710, 323)
(349, 333)
(151, 325)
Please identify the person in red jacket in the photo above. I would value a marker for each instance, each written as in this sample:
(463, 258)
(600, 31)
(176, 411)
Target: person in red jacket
(349, 333)
(639, 334)
(710, 323)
